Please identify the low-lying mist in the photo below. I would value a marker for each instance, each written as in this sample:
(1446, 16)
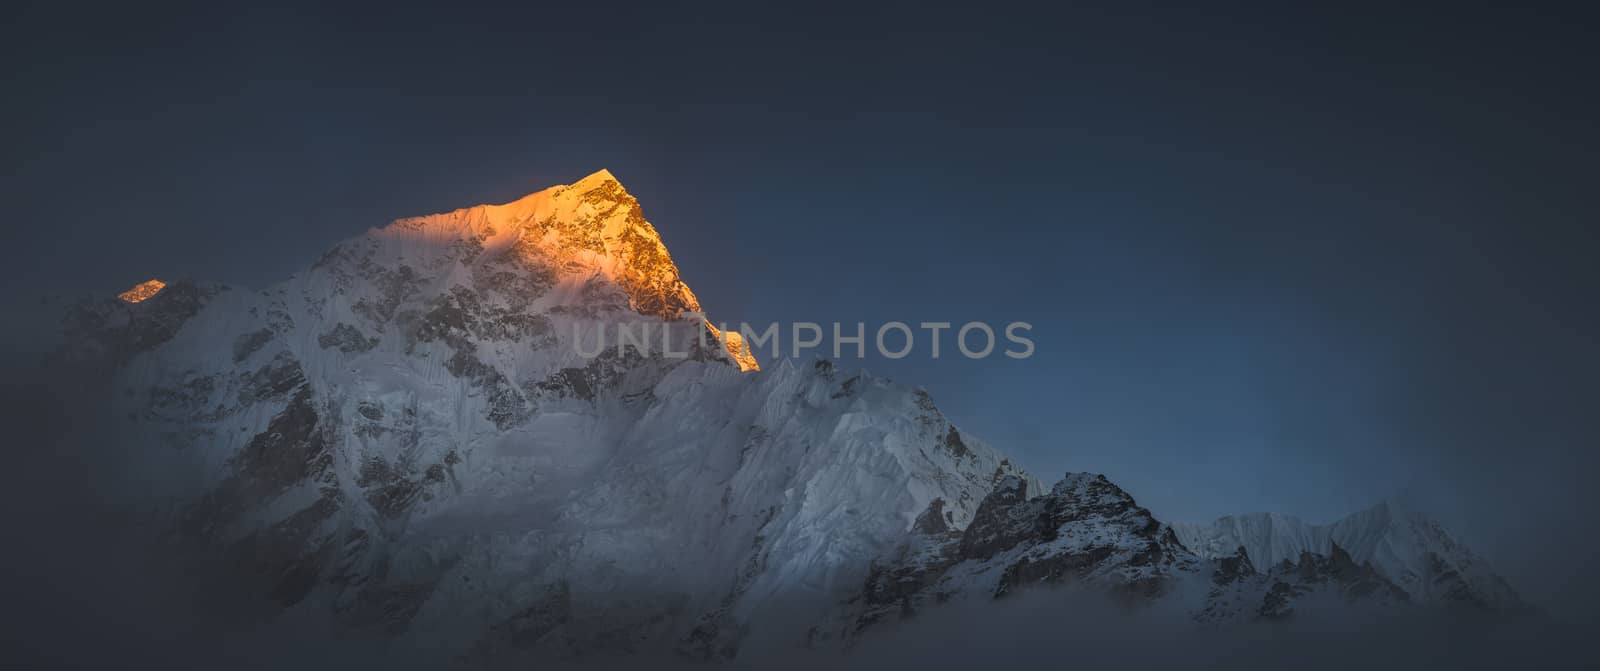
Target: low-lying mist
(88, 586)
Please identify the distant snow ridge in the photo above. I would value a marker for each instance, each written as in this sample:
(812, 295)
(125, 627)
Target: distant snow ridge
(405, 441)
(1407, 547)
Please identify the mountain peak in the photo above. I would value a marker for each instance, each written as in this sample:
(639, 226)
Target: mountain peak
(595, 179)
(590, 227)
(599, 188)
(142, 291)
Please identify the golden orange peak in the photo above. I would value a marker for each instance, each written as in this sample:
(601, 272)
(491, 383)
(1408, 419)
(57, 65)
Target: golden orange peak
(596, 178)
(143, 291)
(734, 343)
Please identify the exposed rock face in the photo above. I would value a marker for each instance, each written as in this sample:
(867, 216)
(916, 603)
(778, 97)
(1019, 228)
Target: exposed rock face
(737, 348)
(1086, 531)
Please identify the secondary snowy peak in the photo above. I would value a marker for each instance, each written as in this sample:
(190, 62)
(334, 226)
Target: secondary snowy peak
(1086, 532)
(142, 291)
(1409, 548)
(1268, 538)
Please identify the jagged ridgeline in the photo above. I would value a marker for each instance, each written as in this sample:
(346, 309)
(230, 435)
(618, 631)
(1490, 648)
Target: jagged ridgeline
(426, 437)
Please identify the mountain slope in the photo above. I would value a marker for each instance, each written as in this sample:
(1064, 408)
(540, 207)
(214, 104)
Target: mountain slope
(505, 433)
(1086, 531)
(1413, 550)
(436, 428)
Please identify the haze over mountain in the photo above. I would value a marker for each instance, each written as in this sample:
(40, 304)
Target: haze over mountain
(405, 445)
(1284, 245)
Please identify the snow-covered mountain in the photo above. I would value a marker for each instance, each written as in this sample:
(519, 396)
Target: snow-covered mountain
(1408, 547)
(410, 435)
(433, 435)
(1088, 531)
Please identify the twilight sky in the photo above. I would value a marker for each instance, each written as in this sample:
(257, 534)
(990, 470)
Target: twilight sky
(1291, 262)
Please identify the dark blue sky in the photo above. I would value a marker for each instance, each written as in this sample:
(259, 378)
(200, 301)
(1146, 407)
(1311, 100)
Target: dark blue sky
(1275, 261)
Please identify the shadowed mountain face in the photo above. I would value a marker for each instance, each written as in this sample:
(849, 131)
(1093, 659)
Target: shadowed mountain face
(1419, 555)
(433, 437)
(1088, 531)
